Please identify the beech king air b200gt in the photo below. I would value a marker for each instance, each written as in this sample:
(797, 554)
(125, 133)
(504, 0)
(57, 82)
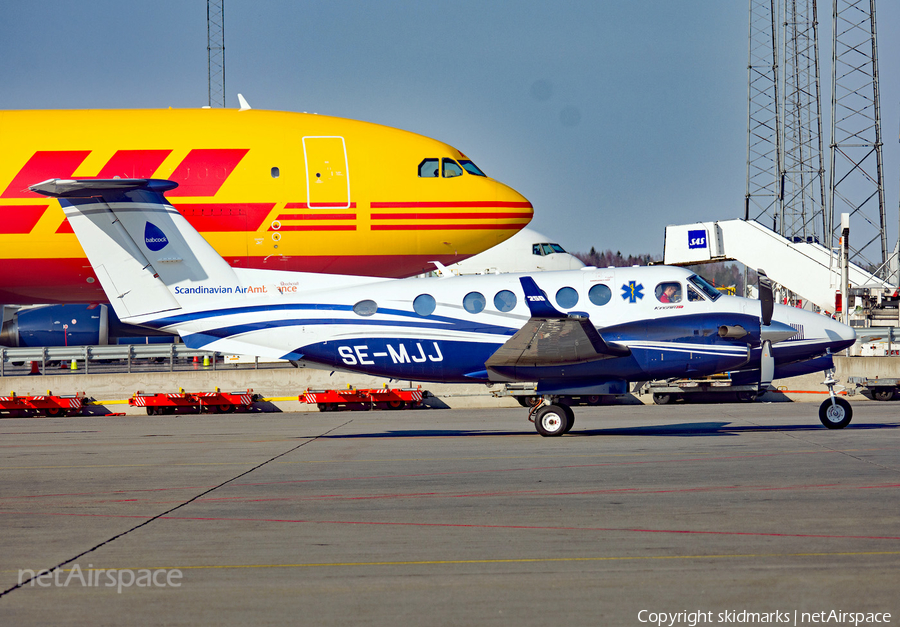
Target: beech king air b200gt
(268, 189)
(580, 332)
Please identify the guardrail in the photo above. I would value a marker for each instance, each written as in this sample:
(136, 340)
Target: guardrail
(94, 355)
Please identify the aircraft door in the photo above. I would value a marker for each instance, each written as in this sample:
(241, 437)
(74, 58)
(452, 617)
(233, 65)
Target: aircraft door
(327, 177)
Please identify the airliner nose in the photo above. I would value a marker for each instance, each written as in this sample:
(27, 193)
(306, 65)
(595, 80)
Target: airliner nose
(520, 209)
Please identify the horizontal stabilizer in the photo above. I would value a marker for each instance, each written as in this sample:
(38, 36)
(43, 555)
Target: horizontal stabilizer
(109, 189)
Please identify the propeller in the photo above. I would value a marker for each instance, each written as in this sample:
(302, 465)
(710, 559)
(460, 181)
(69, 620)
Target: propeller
(766, 298)
(767, 308)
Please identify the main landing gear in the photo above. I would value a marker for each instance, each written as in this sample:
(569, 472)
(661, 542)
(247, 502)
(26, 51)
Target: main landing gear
(835, 412)
(551, 418)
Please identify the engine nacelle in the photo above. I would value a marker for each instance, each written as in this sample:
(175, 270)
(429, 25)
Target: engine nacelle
(56, 325)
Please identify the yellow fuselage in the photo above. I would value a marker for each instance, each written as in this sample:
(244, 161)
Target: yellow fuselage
(268, 189)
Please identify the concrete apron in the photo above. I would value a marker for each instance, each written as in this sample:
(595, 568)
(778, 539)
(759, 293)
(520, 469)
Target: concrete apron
(281, 387)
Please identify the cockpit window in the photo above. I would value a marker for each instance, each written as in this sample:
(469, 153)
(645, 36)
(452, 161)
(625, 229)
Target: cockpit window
(668, 292)
(429, 168)
(701, 283)
(693, 295)
(451, 169)
(546, 249)
(471, 168)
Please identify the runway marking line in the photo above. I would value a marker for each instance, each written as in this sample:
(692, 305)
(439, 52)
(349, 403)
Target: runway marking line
(817, 451)
(459, 525)
(522, 560)
(473, 495)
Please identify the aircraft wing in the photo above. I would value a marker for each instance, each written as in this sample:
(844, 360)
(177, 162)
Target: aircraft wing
(552, 338)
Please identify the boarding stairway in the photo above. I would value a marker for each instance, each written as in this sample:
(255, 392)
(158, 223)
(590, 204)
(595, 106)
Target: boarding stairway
(807, 269)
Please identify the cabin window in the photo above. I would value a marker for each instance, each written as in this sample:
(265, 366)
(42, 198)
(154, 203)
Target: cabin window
(451, 169)
(474, 302)
(505, 301)
(424, 304)
(599, 294)
(471, 168)
(429, 168)
(365, 308)
(567, 297)
(693, 295)
(669, 292)
(276, 173)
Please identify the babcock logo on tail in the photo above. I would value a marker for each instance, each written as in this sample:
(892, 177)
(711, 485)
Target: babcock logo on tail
(154, 238)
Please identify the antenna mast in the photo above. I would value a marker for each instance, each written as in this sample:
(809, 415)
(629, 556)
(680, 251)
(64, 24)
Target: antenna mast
(215, 51)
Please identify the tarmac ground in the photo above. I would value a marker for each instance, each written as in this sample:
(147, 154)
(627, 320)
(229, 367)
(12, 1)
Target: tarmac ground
(452, 517)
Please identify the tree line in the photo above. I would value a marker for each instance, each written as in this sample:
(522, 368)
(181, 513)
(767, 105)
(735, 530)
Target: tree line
(720, 274)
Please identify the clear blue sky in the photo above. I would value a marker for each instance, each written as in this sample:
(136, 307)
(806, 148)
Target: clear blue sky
(614, 118)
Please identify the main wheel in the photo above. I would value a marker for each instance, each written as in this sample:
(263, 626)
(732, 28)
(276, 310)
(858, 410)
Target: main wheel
(835, 416)
(570, 416)
(551, 420)
(526, 401)
(883, 394)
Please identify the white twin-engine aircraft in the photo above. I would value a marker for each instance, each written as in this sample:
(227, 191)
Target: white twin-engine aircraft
(581, 332)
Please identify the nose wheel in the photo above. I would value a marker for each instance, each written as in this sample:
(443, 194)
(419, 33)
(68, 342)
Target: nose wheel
(835, 412)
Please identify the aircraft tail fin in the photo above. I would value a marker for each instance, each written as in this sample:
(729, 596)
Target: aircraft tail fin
(143, 250)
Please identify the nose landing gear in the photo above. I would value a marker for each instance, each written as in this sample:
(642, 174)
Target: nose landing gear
(834, 412)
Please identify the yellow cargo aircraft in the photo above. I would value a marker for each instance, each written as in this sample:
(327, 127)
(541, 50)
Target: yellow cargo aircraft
(268, 189)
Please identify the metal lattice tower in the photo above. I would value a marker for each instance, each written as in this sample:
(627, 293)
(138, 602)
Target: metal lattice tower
(802, 178)
(763, 123)
(215, 51)
(857, 183)
(785, 165)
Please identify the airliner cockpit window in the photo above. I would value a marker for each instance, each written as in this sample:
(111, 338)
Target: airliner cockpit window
(711, 292)
(546, 249)
(471, 168)
(429, 168)
(668, 292)
(693, 296)
(451, 169)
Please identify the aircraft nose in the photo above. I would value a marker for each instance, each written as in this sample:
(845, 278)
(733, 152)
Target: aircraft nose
(518, 207)
(841, 332)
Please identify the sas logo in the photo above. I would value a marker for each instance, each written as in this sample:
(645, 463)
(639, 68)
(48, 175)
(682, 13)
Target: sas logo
(632, 291)
(697, 239)
(154, 238)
